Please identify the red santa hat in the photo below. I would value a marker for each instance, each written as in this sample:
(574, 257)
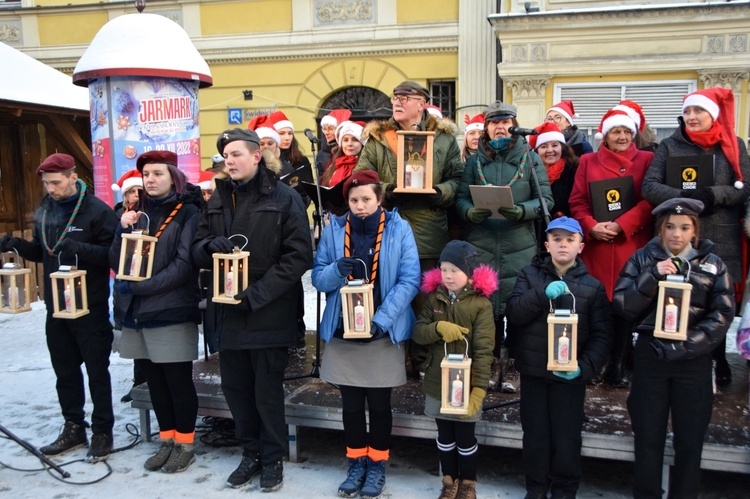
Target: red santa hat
(279, 121)
(635, 111)
(335, 117)
(565, 107)
(548, 132)
(613, 118)
(206, 180)
(475, 123)
(435, 111)
(130, 179)
(353, 128)
(719, 102)
(264, 128)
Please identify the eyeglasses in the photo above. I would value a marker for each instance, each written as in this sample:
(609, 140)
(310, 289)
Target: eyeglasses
(403, 99)
(556, 118)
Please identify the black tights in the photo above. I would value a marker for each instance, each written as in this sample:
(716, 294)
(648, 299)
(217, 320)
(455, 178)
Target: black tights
(172, 392)
(457, 448)
(355, 425)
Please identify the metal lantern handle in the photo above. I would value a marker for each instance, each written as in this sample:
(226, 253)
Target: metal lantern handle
(573, 311)
(17, 255)
(466, 353)
(148, 221)
(366, 279)
(60, 264)
(689, 267)
(243, 236)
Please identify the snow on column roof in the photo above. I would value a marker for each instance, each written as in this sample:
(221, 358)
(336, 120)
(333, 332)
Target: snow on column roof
(142, 45)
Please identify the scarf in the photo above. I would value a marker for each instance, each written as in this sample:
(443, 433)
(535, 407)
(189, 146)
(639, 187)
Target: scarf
(344, 167)
(555, 171)
(717, 135)
(378, 241)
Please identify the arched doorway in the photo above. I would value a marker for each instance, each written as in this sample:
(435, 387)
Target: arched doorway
(365, 103)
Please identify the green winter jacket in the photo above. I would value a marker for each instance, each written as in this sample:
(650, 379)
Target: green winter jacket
(426, 214)
(505, 245)
(471, 309)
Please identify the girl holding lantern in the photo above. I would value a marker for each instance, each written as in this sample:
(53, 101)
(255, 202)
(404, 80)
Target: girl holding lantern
(673, 376)
(457, 308)
(160, 314)
(367, 242)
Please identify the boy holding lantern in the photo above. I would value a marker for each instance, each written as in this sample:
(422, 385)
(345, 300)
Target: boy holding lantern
(457, 308)
(552, 401)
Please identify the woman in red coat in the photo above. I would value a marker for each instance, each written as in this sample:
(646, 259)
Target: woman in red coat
(609, 243)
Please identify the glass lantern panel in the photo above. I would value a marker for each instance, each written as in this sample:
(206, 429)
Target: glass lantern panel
(415, 148)
(562, 343)
(357, 315)
(672, 309)
(456, 388)
(13, 291)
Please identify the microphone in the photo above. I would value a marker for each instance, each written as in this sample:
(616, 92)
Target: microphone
(517, 130)
(310, 136)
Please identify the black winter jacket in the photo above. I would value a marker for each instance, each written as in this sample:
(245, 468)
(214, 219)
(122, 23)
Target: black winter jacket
(93, 230)
(171, 294)
(527, 311)
(711, 300)
(271, 215)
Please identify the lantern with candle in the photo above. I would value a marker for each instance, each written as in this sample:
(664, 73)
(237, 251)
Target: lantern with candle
(15, 284)
(562, 338)
(673, 306)
(230, 274)
(414, 162)
(137, 254)
(357, 307)
(69, 296)
(455, 382)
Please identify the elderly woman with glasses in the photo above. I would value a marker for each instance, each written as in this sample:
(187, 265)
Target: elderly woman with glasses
(563, 115)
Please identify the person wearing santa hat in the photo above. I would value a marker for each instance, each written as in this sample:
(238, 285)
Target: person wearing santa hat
(74, 227)
(130, 185)
(269, 137)
(206, 183)
(609, 243)
(563, 115)
(160, 314)
(472, 134)
(707, 127)
(345, 156)
(646, 139)
(328, 124)
(559, 160)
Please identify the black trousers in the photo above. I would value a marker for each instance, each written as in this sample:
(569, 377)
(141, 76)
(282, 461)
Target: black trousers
(72, 342)
(355, 424)
(173, 395)
(659, 387)
(253, 385)
(552, 420)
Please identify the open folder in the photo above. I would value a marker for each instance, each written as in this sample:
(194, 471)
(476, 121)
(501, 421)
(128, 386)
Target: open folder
(492, 197)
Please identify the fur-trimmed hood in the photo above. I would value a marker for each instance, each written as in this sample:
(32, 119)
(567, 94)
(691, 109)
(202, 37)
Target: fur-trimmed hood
(484, 279)
(272, 162)
(377, 128)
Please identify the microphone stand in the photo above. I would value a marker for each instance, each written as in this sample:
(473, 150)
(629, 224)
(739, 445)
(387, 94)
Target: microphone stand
(35, 452)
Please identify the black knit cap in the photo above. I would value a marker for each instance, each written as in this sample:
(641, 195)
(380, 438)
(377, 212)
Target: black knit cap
(228, 136)
(461, 254)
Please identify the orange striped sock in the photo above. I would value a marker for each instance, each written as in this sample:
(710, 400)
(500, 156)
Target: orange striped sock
(378, 455)
(184, 438)
(356, 453)
(167, 434)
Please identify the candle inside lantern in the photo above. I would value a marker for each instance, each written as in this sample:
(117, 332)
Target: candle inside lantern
(68, 304)
(563, 347)
(229, 283)
(13, 297)
(670, 317)
(457, 392)
(133, 265)
(359, 317)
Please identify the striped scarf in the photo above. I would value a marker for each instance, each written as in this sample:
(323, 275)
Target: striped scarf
(82, 192)
(378, 242)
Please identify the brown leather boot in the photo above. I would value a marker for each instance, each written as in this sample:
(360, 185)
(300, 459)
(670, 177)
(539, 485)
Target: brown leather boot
(450, 487)
(467, 489)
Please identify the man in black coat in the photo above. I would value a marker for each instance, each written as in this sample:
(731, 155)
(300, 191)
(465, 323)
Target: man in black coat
(253, 336)
(73, 227)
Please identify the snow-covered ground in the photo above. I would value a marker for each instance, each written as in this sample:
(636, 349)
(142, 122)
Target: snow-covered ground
(29, 409)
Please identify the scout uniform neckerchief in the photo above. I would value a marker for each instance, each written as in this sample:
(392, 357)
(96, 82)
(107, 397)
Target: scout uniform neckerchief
(51, 251)
(518, 174)
(378, 241)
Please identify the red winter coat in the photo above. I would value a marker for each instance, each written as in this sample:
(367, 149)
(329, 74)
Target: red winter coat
(604, 259)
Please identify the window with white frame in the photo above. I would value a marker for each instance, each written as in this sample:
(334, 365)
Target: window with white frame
(661, 102)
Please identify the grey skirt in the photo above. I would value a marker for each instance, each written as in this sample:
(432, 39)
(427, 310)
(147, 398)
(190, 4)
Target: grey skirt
(378, 364)
(173, 343)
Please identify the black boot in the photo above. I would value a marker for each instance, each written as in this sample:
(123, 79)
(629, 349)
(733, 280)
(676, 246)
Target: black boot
(72, 436)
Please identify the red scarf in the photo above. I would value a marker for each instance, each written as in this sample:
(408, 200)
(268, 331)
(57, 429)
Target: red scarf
(727, 141)
(344, 167)
(555, 171)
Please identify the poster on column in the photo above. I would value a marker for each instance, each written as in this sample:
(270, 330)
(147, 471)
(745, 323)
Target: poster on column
(131, 115)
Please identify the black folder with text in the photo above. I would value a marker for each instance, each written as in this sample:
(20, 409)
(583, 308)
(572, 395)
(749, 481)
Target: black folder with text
(612, 197)
(688, 173)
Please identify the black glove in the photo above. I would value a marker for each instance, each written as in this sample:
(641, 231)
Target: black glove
(220, 244)
(244, 303)
(667, 350)
(389, 195)
(69, 247)
(123, 287)
(436, 198)
(705, 196)
(345, 265)
(377, 331)
(4, 242)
